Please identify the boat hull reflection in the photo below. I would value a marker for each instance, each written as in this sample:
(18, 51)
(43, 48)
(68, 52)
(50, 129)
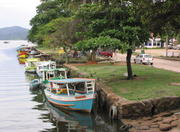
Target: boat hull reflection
(69, 120)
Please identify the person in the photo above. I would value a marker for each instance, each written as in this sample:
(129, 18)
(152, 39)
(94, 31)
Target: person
(75, 55)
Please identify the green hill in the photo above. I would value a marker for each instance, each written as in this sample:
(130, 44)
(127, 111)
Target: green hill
(13, 33)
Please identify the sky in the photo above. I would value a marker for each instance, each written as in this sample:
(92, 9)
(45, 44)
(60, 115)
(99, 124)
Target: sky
(17, 12)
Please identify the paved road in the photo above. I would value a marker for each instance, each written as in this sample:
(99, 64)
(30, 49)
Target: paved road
(158, 63)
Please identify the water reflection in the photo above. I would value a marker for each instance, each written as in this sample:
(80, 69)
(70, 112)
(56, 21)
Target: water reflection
(70, 121)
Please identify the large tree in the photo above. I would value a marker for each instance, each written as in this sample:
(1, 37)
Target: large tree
(94, 44)
(108, 19)
(47, 11)
(118, 22)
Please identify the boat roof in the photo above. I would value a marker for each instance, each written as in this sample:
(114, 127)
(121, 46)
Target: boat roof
(72, 80)
(42, 63)
(32, 59)
(55, 69)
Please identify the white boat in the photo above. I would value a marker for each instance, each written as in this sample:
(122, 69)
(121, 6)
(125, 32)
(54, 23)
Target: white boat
(47, 74)
(44, 65)
(53, 74)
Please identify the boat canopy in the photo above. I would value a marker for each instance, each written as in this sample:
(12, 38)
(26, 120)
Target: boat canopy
(32, 59)
(56, 69)
(45, 63)
(72, 80)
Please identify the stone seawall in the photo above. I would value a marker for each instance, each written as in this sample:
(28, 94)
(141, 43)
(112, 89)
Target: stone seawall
(118, 107)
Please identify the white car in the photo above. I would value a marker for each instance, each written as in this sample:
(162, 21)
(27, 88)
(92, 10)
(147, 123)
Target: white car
(144, 59)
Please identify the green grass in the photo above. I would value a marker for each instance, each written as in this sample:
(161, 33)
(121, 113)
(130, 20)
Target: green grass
(149, 83)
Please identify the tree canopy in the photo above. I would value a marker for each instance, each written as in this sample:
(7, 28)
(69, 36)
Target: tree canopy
(92, 24)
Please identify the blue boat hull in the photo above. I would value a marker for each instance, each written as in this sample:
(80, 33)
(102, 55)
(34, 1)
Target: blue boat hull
(84, 104)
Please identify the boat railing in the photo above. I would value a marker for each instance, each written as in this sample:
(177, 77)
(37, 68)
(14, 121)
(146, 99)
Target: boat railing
(90, 86)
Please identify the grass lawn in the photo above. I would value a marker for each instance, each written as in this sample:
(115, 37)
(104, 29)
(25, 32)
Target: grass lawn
(149, 83)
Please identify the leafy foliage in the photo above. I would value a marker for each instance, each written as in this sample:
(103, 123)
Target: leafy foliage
(99, 42)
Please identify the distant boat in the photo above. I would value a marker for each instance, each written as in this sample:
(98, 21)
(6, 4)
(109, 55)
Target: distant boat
(6, 42)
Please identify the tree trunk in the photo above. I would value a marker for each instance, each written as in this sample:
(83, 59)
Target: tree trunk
(128, 61)
(93, 56)
(167, 43)
(67, 58)
(66, 55)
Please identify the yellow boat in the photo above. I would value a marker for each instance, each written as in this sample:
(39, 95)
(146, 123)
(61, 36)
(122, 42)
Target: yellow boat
(22, 60)
(23, 56)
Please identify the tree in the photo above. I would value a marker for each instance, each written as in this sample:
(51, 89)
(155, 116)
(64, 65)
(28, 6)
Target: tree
(94, 25)
(47, 11)
(118, 22)
(99, 42)
(162, 18)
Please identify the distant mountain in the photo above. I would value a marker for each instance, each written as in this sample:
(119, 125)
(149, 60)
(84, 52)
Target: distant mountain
(13, 33)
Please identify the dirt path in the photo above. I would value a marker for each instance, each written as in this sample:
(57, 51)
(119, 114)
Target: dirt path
(167, 64)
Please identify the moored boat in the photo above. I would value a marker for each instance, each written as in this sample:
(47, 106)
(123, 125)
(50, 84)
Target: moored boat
(30, 65)
(73, 93)
(22, 60)
(47, 74)
(35, 84)
(44, 65)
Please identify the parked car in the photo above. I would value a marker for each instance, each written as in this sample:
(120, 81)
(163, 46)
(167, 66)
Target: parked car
(170, 46)
(177, 47)
(106, 53)
(144, 59)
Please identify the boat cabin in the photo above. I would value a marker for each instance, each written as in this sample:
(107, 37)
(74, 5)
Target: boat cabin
(72, 86)
(54, 74)
(45, 65)
(31, 62)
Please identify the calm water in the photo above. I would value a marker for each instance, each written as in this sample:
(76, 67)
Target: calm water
(25, 111)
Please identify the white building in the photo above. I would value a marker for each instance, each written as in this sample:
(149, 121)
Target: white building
(154, 1)
(154, 43)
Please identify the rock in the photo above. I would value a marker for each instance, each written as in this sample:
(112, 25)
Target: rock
(175, 130)
(132, 130)
(143, 128)
(147, 118)
(174, 118)
(166, 114)
(154, 126)
(165, 127)
(125, 127)
(177, 114)
(157, 119)
(174, 124)
(167, 120)
(160, 104)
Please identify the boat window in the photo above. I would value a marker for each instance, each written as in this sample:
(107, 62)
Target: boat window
(80, 87)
